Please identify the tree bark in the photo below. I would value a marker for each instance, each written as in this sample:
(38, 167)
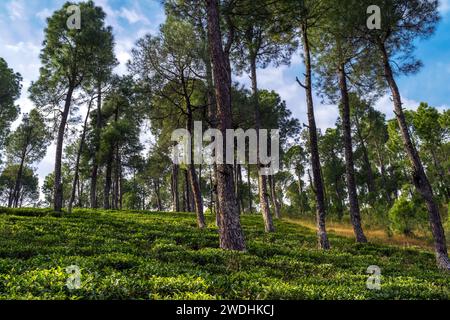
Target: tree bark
(300, 190)
(274, 199)
(108, 181)
(94, 173)
(315, 157)
(441, 174)
(263, 191)
(58, 192)
(77, 163)
(370, 177)
(420, 178)
(230, 232)
(383, 174)
(192, 175)
(250, 195)
(117, 178)
(175, 194)
(187, 190)
(16, 193)
(158, 195)
(355, 214)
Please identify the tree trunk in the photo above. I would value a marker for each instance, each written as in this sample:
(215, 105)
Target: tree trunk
(192, 175)
(117, 179)
(274, 199)
(340, 209)
(300, 190)
(370, 177)
(108, 181)
(187, 191)
(238, 188)
(441, 173)
(175, 194)
(383, 174)
(94, 173)
(315, 157)
(58, 192)
(77, 163)
(230, 232)
(355, 214)
(158, 195)
(420, 179)
(183, 198)
(80, 193)
(263, 191)
(250, 195)
(16, 193)
(120, 188)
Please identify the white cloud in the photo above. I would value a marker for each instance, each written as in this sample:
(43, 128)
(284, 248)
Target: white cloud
(44, 14)
(16, 10)
(444, 6)
(132, 16)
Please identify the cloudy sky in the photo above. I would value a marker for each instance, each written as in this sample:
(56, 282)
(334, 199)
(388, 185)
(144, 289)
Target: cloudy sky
(21, 34)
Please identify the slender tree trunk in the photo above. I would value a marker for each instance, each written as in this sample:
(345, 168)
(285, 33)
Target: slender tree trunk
(274, 199)
(211, 191)
(183, 198)
(158, 195)
(18, 182)
(58, 192)
(340, 209)
(250, 195)
(197, 196)
(16, 193)
(238, 188)
(175, 193)
(370, 177)
(77, 163)
(230, 232)
(117, 179)
(108, 181)
(300, 190)
(187, 191)
(192, 177)
(10, 197)
(313, 140)
(80, 193)
(420, 178)
(441, 173)
(120, 188)
(263, 191)
(383, 174)
(355, 214)
(94, 173)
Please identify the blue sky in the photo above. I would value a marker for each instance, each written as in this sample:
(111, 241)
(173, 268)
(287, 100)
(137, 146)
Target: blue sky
(21, 33)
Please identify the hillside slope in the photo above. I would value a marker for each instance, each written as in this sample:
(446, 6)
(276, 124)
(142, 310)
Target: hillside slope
(135, 255)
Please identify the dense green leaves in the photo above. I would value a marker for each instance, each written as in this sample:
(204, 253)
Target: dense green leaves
(148, 255)
(10, 86)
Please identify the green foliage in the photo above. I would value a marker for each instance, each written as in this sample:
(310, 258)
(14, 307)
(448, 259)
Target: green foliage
(28, 143)
(29, 187)
(150, 255)
(406, 215)
(10, 86)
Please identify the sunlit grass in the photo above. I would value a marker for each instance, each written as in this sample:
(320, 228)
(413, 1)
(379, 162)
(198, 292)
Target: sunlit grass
(137, 255)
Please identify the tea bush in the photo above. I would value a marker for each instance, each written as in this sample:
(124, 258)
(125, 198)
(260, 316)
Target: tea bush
(150, 255)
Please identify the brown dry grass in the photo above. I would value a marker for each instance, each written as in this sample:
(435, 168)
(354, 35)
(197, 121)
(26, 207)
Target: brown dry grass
(373, 235)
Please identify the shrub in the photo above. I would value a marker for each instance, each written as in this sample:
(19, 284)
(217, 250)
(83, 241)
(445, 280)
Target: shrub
(406, 215)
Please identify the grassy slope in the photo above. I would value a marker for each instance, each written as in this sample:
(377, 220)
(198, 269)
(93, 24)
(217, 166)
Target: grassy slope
(163, 256)
(375, 234)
